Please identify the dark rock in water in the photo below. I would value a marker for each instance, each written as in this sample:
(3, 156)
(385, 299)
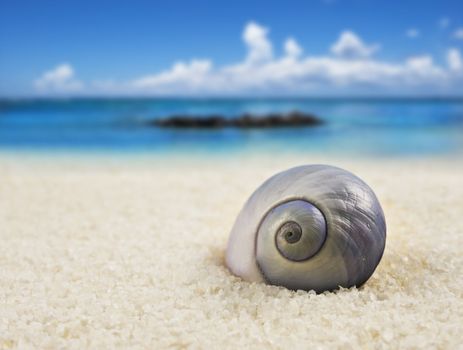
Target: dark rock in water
(194, 122)
(276, 120)
(273, 120)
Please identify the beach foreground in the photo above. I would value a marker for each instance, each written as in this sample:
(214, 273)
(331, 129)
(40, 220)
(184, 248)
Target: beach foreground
(124, 252)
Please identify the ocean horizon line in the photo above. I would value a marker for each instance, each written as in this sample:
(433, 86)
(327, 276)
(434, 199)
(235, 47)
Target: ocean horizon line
(391, 98)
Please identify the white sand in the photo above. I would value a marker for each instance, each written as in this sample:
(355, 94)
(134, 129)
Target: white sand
(130, 253)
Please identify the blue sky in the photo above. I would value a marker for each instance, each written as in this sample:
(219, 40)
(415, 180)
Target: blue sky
(319, 47)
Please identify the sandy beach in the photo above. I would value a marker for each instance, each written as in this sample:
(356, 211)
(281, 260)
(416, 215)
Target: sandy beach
(124, 252)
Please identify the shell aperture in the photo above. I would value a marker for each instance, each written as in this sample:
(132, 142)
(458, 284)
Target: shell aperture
(311, 227)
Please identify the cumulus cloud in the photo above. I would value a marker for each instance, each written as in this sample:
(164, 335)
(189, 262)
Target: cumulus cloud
(413, 33)
(458, 34)
(454, 60)
(350, 45)
(59, 79)
(292, 48)
(349, 67)
(190, 75)
(259, 46)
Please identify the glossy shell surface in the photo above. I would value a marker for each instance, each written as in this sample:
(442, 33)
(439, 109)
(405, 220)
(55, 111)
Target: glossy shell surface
(312, 227)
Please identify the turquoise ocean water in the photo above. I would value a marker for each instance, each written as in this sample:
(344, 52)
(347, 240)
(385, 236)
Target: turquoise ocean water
(353, 126)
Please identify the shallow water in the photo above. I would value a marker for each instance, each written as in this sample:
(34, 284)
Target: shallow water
(353, 126)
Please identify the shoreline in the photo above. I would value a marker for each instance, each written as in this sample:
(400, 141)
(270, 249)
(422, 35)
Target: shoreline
(229, 154)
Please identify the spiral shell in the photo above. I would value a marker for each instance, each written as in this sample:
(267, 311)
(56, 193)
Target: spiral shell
(313, 227)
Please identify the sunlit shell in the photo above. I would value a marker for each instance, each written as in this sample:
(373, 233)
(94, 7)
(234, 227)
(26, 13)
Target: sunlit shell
(311, 227)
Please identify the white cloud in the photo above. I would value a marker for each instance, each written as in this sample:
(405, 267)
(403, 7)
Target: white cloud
(190, 75)
(259, 46)
(351, 46)
(292, 48)
(349, 68)
(59, 79)
(291, 75)
(420, 63)
(454, 60)
(444, 22)
(412, 33)
(458, 34)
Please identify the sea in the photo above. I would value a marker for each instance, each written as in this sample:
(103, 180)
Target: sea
(352, 126)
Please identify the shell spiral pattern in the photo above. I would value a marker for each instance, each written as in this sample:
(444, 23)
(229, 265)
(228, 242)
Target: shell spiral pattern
(313, 227)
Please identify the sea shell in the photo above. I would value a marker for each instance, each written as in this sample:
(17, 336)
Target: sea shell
(313, 227)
